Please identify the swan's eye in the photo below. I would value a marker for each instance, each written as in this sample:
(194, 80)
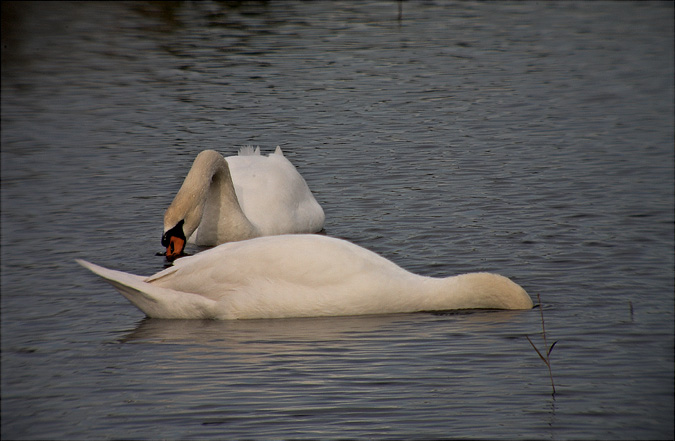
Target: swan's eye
(176, 231)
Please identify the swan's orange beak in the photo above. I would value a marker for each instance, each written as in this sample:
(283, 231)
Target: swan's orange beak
(175, 248)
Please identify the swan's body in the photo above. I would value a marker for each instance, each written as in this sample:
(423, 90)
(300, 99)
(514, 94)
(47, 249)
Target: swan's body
(303, 276)
(240, 197)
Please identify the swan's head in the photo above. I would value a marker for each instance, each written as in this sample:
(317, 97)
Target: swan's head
(174, 241)
(490, 291)
(183, 216)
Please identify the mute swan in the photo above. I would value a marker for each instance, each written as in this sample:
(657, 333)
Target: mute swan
(239, 197)
(302, 275)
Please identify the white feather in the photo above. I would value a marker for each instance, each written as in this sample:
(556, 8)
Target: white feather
(303, 276)
(241, 197)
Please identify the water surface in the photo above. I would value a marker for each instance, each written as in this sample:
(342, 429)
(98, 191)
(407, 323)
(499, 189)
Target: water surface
(530, 139)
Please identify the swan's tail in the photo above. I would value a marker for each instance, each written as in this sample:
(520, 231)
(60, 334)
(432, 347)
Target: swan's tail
(249, 150)
(153, 300)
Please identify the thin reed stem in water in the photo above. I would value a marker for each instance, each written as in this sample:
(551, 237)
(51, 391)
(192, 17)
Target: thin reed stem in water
(546, 359)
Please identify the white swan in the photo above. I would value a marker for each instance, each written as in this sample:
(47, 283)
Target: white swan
(239, 197)
(302, 276)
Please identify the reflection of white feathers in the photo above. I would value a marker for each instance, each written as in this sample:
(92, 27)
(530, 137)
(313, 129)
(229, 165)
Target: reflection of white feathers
(301, 276)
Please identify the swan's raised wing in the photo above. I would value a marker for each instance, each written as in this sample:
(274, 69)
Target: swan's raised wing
(273, 195)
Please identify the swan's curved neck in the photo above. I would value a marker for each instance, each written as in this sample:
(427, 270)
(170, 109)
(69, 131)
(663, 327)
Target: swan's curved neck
(465, 291)
(207, 199)
(474, 291)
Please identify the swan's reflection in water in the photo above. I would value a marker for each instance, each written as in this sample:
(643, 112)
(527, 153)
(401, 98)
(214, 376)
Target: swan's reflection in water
(240, 334)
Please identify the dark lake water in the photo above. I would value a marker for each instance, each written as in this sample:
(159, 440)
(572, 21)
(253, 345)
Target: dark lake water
(531, 139)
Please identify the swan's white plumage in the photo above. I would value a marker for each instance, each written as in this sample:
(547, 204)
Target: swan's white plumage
(243, 196)
(273, 195)
(302, 276)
